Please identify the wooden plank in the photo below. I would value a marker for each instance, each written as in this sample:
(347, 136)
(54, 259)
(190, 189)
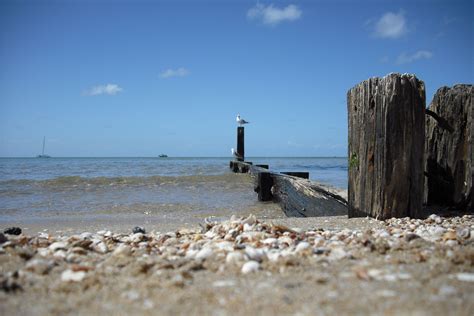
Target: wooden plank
(304, 175)
(263, 166)
(300, 197)
(386, 147)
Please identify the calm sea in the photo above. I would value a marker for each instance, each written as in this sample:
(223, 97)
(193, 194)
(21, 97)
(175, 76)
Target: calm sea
(170, 188)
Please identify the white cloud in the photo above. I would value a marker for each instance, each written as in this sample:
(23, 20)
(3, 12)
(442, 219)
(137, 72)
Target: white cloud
(180, 72)
(404, 58)
(391, 25)
(271, 15)
(110, 89)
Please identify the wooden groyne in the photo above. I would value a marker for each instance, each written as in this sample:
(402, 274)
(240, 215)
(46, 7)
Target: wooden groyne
(298, 196)
(399, 166)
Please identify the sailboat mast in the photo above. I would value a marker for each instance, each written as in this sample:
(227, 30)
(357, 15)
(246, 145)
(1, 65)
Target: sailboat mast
(44, 138)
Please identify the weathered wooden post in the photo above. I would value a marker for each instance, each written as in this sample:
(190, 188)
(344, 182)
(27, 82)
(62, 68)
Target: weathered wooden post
(264, 186)
(240, 144)
(449, 154)
(386, 147)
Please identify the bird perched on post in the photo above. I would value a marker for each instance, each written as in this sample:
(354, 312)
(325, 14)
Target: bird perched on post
(236, 154)
(241, 121)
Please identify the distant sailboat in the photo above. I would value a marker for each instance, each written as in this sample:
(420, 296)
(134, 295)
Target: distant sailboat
(42, 153)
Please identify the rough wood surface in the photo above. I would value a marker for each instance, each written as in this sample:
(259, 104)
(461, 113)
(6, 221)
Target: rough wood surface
(386, 141)
(241, 143)
(449, 151)
(298, 197)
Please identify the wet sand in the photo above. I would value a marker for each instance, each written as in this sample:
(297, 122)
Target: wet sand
(245, 266)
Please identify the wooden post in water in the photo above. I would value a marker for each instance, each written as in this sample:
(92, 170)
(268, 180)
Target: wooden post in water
(264, 186)
(240, 143)
(386, 147)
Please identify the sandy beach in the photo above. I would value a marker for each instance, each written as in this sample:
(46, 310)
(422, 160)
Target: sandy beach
(241, 266)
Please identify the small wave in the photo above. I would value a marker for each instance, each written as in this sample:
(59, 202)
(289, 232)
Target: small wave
(74, 181)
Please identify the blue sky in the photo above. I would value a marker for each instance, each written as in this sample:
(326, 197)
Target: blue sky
(140, 78)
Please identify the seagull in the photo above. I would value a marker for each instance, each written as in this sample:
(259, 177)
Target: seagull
(240, 120)
(235, 154)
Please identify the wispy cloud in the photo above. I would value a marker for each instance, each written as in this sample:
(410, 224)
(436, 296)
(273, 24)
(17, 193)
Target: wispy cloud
(390, 25)
(405, 58)
(169, 73)
(271, 15)
(109, 89)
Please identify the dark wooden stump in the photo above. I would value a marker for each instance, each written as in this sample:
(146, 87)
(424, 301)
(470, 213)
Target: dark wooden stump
(449, 154)
(240, 143)
(264, 186)
(386, 140)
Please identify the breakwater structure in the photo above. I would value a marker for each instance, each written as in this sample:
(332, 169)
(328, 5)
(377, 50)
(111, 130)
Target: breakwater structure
(404, 160)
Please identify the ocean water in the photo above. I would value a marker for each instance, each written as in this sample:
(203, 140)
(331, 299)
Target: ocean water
(179, 189)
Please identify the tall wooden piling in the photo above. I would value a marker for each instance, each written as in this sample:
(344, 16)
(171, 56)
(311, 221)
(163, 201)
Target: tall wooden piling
(240, 143)
(386, 142)
(449, 151)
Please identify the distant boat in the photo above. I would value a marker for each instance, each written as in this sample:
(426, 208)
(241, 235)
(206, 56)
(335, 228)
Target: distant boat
(163, 156)
(42, 153)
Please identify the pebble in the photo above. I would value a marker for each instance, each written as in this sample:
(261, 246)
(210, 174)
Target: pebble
(250, 266)
(3, 238)
(138, 229)
(466, 277)
(12, 231)
(71, 276)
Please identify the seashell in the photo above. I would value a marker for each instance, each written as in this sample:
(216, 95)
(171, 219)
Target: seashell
(122, 250)
(225, 246)
(204, 253)
(337, 254)
(78, 250)
(451, 243)
(136, 238)
(43, 235)
(101, 247)
(285, 241)
(248, 227)
(57, 246)
(250, 266)
(464, 233)
(273, 255)
(302, 246)
(250, 220)
(270, 241)
(234, 257)
(449, 235)
(254, 254)
(86, 235)
(60, 254)
(464, 276)
(71, 276)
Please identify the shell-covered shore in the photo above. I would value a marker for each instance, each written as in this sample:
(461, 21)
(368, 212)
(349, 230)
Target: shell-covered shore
(244, 265)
